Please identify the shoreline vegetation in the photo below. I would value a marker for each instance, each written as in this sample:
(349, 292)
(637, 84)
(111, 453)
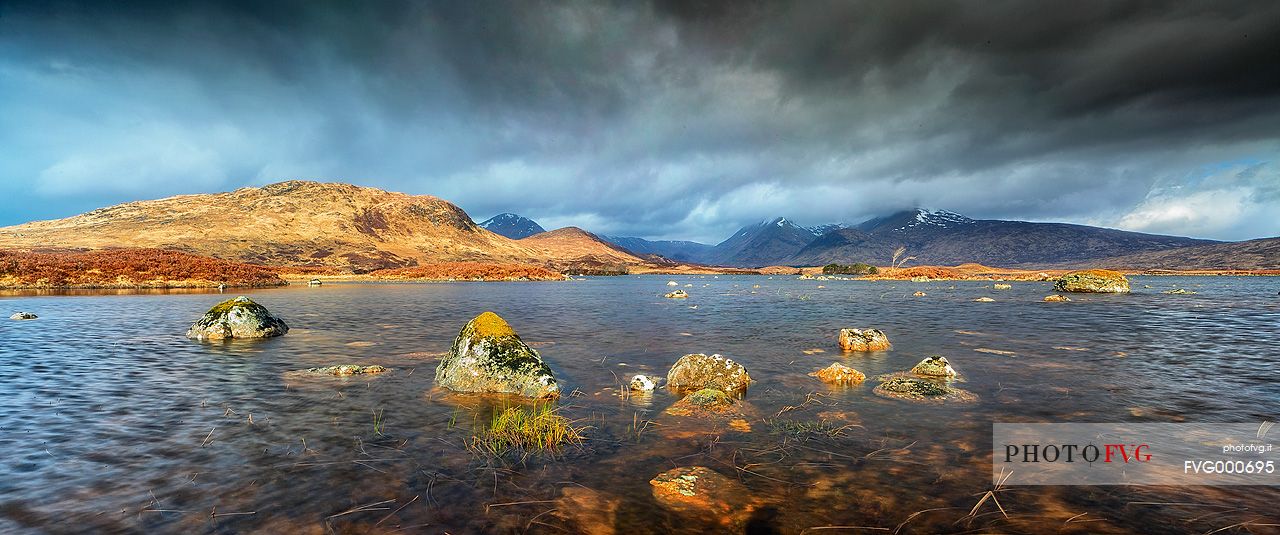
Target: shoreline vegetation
(128, 268)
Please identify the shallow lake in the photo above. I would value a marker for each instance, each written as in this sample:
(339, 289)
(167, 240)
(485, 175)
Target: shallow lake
(112, 421)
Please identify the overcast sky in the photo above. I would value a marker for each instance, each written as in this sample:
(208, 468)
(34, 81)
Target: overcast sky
(679, 120)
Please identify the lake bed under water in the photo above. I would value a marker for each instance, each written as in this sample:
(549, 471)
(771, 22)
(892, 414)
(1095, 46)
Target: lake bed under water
(112, 421)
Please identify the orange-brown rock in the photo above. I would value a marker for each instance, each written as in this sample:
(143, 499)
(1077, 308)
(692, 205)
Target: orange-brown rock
(702, 494)
(839, 374)
(590, 511)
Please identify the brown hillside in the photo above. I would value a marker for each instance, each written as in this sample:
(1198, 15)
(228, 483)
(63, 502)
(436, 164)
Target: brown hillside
(468, 271)
(580, 250)
(298, 223)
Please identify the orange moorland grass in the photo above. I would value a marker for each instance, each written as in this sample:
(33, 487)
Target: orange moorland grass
(306, 270)
(476, 271)
(932, 272)
(969, 271)
(126, 268)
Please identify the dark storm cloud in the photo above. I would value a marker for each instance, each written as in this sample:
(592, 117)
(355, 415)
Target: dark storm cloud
(665, 119)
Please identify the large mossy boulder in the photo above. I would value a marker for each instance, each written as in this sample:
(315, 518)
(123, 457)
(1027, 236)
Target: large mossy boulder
(698, 371)
(237, 318)
(488, 356)
(1093, 281)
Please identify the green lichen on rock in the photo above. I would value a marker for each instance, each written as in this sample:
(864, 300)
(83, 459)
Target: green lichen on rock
(346, 370)
(237, 318)
(705, 402)
(913, 386)
(898, 386)
(698, 371)
(488, 356)
(934, 366)
(1093, 281)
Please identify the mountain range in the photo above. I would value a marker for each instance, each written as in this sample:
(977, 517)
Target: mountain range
(360, 229)
(936, 237)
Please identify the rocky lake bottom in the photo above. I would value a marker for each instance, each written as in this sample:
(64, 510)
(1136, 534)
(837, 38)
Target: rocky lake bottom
(113, 421)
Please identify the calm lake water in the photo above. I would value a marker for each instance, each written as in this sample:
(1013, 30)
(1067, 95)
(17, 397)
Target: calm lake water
(112, 421)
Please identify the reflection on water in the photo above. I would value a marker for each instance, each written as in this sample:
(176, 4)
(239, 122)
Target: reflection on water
(112, 421)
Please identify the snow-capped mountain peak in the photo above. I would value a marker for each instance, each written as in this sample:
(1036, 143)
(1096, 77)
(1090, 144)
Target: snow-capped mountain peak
(819, 230)
(935, 218)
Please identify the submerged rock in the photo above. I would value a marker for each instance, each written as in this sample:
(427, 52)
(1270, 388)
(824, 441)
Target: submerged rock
(590, 511)
(698, 371)
(1180, 291)
(702, 494)
(702, 403)
(678, 294)
(863, 340)
(237, 318)
(1056, 298)
(839, 374)
(935, 366)
(905, 388)
(22, 316)
(345, 370)
(642, 383)
(672, 283)
(919, 294)
(1002, 286)
(1093, 281)
(913, 386)
(488, 356)
(985, 300)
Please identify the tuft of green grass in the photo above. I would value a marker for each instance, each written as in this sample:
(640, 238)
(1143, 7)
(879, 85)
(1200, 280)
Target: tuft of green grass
(537, 428)
(638, 427)
(379, 422)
